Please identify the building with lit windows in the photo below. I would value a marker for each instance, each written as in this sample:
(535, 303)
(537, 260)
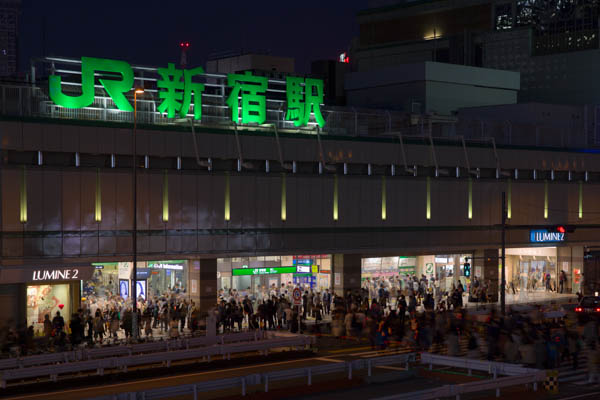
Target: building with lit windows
(9, 17)
(553, 45)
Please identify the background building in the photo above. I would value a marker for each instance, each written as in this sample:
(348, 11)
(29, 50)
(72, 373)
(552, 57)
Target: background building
(9, 16)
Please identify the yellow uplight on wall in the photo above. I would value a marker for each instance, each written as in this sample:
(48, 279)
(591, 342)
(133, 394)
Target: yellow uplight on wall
(98, 202)
(335, 197)
(23, 197)
(545, 199)
(383, 199)
(227, 198)
(428, 200)
(165, 213)
(283, 198)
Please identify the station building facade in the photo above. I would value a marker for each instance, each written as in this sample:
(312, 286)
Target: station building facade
(219, 199)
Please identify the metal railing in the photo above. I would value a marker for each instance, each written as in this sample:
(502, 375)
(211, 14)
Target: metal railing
(122, 363)
(471, 387)
(491, 367)
(128, 350)
(33, 101)
(242, 382)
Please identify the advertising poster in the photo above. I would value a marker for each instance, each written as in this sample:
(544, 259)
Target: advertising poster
(141, 289)
(124, 288)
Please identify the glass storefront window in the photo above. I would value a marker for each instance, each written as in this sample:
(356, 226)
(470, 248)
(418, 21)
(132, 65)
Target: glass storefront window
(45, 300)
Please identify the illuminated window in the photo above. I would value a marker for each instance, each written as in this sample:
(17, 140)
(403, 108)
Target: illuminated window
(98, 202)
(23, 197)
(165, 213)
(504, 19)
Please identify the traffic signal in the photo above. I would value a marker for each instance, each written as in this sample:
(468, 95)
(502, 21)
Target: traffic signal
(562, 228)
(467, 269)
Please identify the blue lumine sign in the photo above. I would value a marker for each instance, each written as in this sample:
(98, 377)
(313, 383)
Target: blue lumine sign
(543, 236)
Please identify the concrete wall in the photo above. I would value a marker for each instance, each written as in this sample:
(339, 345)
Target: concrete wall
(442, 88)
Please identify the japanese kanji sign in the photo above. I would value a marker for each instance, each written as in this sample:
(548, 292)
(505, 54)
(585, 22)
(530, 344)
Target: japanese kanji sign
(181, 90)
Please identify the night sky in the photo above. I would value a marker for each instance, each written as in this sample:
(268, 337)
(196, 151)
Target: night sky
(148, 32)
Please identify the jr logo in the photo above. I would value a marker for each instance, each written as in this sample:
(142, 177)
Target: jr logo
(89, 66)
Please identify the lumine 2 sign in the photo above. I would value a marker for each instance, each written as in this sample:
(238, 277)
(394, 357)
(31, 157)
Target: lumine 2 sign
(176, 87)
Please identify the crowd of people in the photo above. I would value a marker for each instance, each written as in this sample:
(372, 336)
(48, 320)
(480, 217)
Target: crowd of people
(410, 311)
(101, 321)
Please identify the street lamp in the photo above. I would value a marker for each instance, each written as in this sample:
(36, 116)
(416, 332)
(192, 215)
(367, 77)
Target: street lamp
(134, 319)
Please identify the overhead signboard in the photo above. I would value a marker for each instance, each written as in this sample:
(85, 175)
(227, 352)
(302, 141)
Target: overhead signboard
(44, 274)
(169, 265)
(303, 269)
(545, 236)
(183, 92)
(263, 271)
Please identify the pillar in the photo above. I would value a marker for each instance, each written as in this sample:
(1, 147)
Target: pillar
(456, 270)
(564, 263)
(194, 280)
(486, 267)
(577, 264)
(207, 274)
(346, 269)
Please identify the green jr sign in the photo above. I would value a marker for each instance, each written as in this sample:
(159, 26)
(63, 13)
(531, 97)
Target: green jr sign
(176, 88)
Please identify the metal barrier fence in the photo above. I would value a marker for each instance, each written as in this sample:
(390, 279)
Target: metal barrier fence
(242, 382)
(165, 357)
(128, 350)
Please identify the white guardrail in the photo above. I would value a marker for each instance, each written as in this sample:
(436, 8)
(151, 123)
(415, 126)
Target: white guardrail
(127, 350)
(518, 375)
(265, 378)
(491, 367)
(166, 358)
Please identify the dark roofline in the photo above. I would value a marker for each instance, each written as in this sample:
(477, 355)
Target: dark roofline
(377, 10)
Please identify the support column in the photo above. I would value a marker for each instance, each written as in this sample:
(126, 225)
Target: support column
(346, 269)
(486, 266)
(207, 284)
(564, 263)
(456, 270)
(194, 281)
(577, 267)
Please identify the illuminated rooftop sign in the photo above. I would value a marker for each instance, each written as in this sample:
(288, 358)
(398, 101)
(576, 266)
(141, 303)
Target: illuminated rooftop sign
(246, 102)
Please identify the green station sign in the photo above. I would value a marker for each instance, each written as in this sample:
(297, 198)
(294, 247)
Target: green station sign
(263, 271)
(176, 87)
